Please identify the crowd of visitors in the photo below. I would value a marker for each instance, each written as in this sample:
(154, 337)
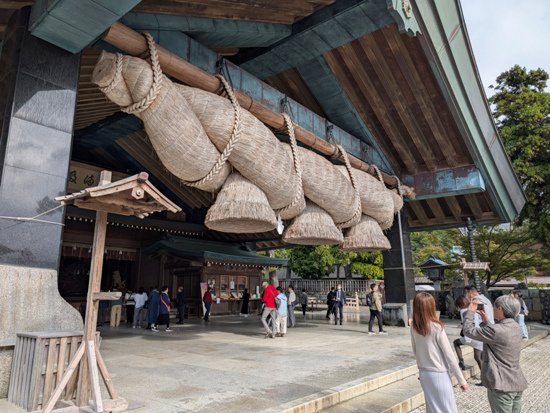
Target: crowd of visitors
(494, 331)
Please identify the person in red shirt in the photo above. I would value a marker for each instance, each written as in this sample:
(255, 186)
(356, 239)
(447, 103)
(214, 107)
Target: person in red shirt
(270, 309)
(207, 300)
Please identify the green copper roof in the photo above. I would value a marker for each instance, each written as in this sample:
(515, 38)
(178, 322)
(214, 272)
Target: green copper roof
(211, 251)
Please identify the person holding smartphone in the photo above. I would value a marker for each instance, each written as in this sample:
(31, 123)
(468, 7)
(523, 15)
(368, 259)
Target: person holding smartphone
(500, 369)
(434, 357)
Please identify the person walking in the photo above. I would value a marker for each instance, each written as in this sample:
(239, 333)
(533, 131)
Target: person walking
(434, 357)
(501, 371)
(374, 301)
(292, 301)
(140, 300)
(164, 310)
(303, 302)
(330, 302)
(461, 304)
(523, 312)
(339, 303)
(207, 300)
(245, 303)
(282, 312)
(153, 308)
(270, 309)
(180, 305)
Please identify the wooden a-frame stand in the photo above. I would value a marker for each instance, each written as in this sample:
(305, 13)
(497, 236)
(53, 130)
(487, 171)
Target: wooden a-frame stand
(131, 196)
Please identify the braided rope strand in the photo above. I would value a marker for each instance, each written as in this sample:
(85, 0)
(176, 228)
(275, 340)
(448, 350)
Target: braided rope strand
(358, 211)
(297, 166)
(144, 103)
(116, 77)
(235, 136)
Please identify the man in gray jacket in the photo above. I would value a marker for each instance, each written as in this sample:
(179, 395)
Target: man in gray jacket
(500, 368)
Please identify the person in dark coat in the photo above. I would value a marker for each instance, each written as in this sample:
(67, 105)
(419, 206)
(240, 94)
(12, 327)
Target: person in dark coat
(180, 305)
(246, 299)
(153, 308)
(164, 310)
(330, 302)
(339, 303)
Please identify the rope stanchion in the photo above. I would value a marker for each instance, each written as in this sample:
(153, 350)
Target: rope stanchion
(357, 214)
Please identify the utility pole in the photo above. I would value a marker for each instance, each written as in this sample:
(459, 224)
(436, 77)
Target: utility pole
(471, 227)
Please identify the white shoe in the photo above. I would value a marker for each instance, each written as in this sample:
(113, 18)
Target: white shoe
(133, 326)
(370, 333)
(168, 330)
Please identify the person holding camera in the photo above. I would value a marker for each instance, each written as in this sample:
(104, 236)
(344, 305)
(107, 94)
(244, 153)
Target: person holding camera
(472, 293)
(500, 370)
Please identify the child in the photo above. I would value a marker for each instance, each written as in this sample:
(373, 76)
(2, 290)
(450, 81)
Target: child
(282, 313)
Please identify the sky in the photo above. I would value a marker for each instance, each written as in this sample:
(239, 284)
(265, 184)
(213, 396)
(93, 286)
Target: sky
(508, 32)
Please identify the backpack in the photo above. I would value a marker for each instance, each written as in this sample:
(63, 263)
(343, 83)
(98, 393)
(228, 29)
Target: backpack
(369, 299)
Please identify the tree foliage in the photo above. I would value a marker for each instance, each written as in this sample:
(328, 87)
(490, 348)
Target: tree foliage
(511, 252)
(522, 114)
(319, 261)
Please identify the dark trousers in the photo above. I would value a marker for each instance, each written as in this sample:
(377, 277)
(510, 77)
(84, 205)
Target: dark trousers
(304, 309)
(181, 314)
(163, 319)
(377, 314)
(330, 309)
(130, 313)
(207, 314)
(338, 308)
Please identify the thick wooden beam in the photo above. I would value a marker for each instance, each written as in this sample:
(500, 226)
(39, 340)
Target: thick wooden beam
(445, 183)
(134, 44)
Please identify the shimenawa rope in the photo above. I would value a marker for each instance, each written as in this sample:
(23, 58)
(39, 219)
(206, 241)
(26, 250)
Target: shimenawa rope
(357, 214)
(297, 165)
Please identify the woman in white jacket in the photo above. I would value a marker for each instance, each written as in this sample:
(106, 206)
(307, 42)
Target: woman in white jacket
(434, 357)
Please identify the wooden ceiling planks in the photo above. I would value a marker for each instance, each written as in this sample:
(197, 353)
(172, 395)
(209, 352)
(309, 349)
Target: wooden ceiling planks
(269, 11)
(360, 90)
(293, 85)
(91, 104)
(387, 74)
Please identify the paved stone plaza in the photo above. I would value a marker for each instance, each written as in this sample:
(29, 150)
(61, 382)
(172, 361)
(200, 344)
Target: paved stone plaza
(227, 365)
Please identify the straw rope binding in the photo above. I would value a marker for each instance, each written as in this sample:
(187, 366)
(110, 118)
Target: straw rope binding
(357, 215)
(235, 136)
(297, 166)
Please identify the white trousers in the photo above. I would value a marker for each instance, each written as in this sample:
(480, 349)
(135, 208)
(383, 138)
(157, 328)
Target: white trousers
(520, 319)
(438, 392)
(281, 323)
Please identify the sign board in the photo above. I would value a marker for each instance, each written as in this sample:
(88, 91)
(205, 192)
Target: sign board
(476, 266)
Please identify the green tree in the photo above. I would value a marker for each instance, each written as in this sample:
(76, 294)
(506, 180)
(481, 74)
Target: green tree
(438, 243)
(522, 114)
(369, 265)
(511, 252)
(312, 261)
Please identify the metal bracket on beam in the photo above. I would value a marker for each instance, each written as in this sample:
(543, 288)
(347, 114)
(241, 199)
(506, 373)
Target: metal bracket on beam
(449, 182)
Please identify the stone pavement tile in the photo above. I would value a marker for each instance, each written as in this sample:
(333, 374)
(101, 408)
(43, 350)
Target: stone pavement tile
(536, 399)
(228, 366)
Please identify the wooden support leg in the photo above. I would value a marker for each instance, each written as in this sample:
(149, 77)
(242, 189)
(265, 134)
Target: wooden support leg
(65, 379)
(106, 376)
(94, 376)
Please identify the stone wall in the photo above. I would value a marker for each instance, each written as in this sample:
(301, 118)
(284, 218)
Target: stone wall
(30, 301)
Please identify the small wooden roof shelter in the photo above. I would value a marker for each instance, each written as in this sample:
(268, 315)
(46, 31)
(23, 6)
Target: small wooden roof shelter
(131, 196)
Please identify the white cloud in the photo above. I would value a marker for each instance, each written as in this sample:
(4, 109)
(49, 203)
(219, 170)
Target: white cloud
(508, 32)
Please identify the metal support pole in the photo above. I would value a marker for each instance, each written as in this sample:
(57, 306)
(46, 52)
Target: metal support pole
(402, 245)
(471, 227)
